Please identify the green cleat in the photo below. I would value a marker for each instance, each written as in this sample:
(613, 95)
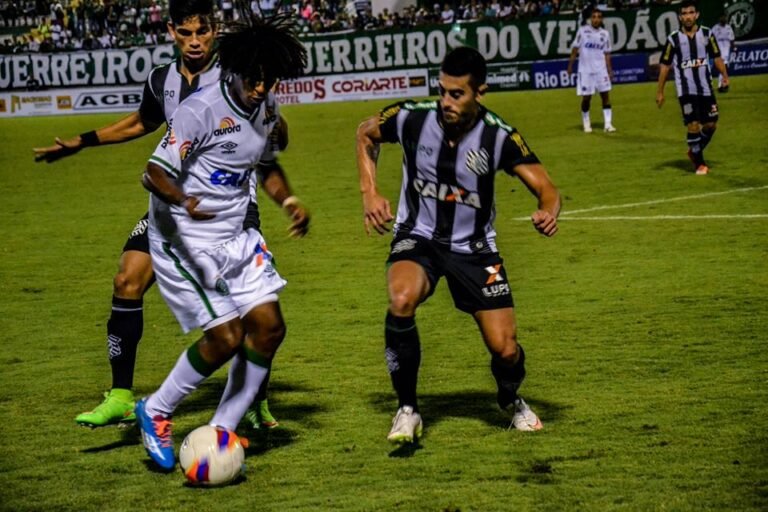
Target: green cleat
(260, 417)
(117, 408)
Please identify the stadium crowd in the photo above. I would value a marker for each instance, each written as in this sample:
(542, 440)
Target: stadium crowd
(69, 25)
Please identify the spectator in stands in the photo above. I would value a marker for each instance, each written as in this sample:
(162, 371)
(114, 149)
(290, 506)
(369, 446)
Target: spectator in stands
(447, 15)
(227, 10)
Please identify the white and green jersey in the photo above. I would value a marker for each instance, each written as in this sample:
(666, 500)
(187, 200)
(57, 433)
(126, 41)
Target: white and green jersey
(211, 148)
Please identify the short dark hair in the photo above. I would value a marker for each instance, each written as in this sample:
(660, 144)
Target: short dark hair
(686, 4)
(465, 61)
(261, 48)
(180, 10)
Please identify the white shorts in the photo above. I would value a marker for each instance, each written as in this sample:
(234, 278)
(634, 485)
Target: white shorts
(246, 276)
(725, 54)
(589, 83)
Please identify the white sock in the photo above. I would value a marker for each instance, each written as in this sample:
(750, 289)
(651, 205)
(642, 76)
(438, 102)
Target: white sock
(243, 384)
(607, 115)
(585, 118)
(182, 380)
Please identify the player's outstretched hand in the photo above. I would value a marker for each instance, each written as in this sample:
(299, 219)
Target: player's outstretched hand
(544, 222)
(190, 204)
(659, 99)
(299, 220)
(376, 213)
(61, 149)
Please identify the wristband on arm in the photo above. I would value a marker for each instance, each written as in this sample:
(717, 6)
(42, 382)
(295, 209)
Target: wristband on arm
(290, 201)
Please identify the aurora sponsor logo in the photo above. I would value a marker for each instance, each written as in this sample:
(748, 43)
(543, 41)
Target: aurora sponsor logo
(227, 126)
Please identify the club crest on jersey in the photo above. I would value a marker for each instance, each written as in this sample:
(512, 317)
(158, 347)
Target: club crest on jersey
(226, 127)
(477, 161)
(447, 193)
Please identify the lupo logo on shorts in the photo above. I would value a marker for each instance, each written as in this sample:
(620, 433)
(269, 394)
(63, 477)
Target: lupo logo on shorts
(226, 127)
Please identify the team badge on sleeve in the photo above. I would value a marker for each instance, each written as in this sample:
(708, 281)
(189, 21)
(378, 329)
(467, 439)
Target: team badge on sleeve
(524, 150)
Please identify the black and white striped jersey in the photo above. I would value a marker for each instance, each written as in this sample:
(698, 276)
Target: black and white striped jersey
(447, 193)
(689, 57)
(166, 87)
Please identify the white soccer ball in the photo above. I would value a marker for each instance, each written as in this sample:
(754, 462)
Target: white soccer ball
(211, 456)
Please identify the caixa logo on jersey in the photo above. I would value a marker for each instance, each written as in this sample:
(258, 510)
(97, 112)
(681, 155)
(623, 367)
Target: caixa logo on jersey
(107, 100)
(447, 193)
(223, 178)
(227, 126)
(693, 63)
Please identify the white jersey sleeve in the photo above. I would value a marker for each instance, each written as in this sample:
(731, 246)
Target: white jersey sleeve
(578, 38)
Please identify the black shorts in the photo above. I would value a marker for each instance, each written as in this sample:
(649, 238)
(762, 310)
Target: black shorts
(477, 282)
(138, 239)
(702, 109)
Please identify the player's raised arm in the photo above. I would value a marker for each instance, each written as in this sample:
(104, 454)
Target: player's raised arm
(376, 208)
(129, 127)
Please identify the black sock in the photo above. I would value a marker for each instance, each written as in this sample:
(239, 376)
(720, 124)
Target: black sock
(124, 330)
(403, 353)
(694, 143)
(706, 137)
(262, 394)
(508, 378)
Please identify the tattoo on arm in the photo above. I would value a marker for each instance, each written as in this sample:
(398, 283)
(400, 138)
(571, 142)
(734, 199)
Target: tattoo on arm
(373, 152)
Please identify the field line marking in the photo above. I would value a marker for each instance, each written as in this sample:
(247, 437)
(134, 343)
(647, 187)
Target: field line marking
(659, 201)
(668, 217)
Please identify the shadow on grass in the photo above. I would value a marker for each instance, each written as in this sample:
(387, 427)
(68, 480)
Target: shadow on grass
(468, 404)
(206, 399)
(129, 436)
(405, 450)
(682, 164)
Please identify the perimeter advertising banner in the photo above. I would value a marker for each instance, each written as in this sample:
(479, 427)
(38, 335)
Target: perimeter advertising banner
(392, 84)
(502, 43)
(351, 87)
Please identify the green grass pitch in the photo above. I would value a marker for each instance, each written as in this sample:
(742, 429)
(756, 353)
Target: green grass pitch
(644, 322)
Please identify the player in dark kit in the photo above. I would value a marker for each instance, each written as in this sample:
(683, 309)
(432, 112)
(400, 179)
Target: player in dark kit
(444, 227)
(688, 52)
(193, 29)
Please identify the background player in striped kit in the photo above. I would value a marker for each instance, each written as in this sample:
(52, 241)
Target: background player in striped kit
(593, 46)
(726, 40)
(452, 150)
(212, 272)
(688, 52)
(193, 30)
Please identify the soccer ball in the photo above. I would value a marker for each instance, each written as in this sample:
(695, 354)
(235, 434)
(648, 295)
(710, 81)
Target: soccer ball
(211, 456)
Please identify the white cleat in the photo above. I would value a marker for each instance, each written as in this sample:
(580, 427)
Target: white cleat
(609, 129)
(406, 426)
(523, 418)
(587, 128)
